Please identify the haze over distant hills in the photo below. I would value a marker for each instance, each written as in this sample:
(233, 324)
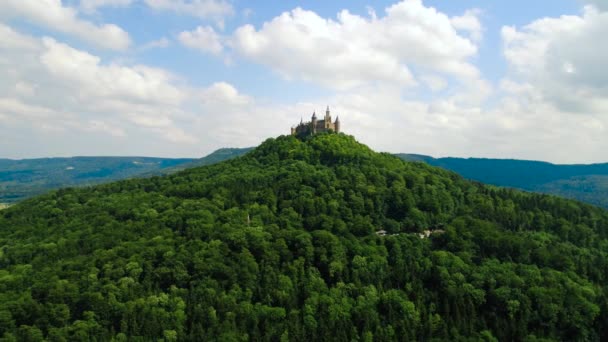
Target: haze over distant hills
(24, 178)
(20, 179)
(587, 183)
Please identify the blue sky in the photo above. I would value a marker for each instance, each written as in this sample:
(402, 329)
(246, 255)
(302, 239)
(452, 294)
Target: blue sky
(180, 78)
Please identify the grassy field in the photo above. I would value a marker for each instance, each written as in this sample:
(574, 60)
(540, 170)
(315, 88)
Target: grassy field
(3, 206)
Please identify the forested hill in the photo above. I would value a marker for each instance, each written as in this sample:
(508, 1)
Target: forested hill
(281, 244)
(21, 179)
(587, 183)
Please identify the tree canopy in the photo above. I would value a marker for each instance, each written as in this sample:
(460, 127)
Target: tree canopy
(281, 244)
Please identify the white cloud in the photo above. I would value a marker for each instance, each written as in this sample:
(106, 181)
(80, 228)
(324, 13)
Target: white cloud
(60, 100)
(353, 50)
(202, 38)
(527, 120)
(521, 126)
(562, 59)
(552, 102)
(602, 5)
(101, 126)
(25, 89)
(205, 9)
(14, 107)
(90, 6)
(52, 87)
(435, 83)
(158, 121)
(223, 93)
(469, 22)
(89, 77)
(74, 102)
(235, 119)
(177, 135)
(53, 15)
(12, 40)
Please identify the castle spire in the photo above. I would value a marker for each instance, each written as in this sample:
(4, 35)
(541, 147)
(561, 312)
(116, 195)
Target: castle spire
(327, 118)
(337, 124)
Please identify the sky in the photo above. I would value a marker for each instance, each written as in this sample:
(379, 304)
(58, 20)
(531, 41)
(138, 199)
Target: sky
(181, 78)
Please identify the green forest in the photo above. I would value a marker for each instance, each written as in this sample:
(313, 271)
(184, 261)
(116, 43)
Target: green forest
(281, 244)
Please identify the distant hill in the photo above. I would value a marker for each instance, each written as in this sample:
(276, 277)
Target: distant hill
(20, 179)
(24, 178)
(215, 157)
(587, 183)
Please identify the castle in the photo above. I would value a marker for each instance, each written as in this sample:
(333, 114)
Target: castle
(317, 126)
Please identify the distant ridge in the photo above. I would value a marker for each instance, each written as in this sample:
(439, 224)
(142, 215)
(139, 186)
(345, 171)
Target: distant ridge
(583, 182)
(21, 179)
(215, 157)
(24, 178)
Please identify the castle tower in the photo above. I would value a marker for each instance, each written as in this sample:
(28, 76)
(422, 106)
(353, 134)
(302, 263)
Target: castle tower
(337, 124)
(317, 125)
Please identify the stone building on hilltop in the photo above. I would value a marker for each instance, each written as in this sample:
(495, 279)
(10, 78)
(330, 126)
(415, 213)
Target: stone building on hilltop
(317, 126)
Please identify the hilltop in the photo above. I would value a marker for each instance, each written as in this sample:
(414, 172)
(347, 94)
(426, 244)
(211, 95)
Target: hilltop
(21, 179)
(281, 244)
